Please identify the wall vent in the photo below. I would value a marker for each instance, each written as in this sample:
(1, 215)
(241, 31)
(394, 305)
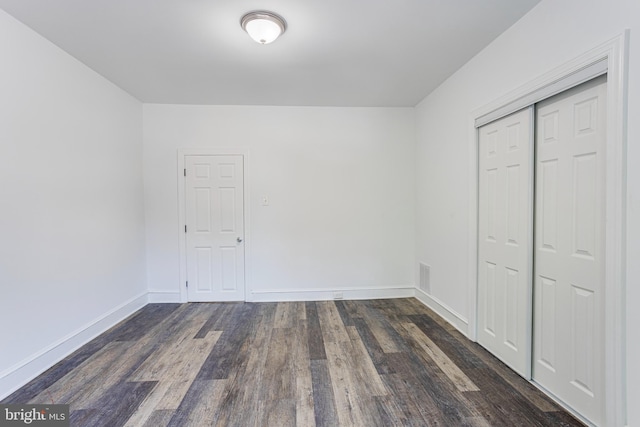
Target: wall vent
(425, 278)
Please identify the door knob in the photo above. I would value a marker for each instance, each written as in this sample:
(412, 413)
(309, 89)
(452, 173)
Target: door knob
(239, 240)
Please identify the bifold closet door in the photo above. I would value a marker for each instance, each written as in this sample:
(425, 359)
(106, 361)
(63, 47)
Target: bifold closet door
(505, 241)
(569, 247)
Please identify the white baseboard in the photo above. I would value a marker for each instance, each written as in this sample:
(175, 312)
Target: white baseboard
(447, 313)
(276, 295)
(21, 373)
(164, 297)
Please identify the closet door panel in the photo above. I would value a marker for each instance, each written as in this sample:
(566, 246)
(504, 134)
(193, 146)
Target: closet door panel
(569, 248)
(505, 239)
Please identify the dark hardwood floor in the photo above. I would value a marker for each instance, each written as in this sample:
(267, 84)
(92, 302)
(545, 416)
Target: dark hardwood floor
(331, 363)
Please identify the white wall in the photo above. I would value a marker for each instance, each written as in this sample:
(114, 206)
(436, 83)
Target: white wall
(340, 183)
(71, 216)
(553, 33)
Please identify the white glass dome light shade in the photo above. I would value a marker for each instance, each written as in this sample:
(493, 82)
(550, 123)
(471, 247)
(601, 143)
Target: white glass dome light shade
(262, 30)
(263, 27)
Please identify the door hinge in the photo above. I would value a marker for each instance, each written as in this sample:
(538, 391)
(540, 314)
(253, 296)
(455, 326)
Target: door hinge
(185, 172)
(187, 283)
(185, 228)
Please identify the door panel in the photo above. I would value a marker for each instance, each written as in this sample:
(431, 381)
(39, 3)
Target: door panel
(505, 239)
(569, 251)
(214, 208)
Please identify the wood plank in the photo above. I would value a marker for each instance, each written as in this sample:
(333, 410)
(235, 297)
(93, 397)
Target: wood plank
(145, 410)
(181, 356)
(300, 309)
(437, 402)
(81, 417)
(352, 397)
(356, 309)
(174, 366)
(343, 312)
(213, 318)
(174, 393)
(348, 407)
(199, 407)
(139, 325)
(178, 360)
(118, 403)
(285, 315)
(227, 351)
(315, 341)
(406, 306)
(389, 309)
(159, 418)
(222, 314)
(452, 402)
(391, 414)
(333, 329)
(412, 402)
(267, 313)
(433, 352)
(324, 407)
(178, 320)
(384, 332)
(377, 355)
(241, 401)
(278, 381)
(250, 377)
(362, 367)
(86, 378)
(304, 408)
(276, 413)
(289, 313)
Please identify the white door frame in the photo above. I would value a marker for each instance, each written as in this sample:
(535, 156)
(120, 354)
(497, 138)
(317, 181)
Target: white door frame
(182, 216)
(615, 53)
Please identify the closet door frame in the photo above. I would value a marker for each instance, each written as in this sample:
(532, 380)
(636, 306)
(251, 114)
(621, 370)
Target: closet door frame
(614, 56)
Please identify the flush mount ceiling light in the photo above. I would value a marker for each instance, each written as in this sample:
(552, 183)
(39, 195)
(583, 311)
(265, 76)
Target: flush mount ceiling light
(264, 27)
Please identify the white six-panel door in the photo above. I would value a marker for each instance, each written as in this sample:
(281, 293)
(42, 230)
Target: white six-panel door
(569, 248)
(505, 239)
(214, 207)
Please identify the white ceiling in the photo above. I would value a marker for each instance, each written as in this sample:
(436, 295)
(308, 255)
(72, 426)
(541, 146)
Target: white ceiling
(334, 53)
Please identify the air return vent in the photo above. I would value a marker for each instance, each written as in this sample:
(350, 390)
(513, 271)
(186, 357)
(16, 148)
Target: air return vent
(425, 278)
